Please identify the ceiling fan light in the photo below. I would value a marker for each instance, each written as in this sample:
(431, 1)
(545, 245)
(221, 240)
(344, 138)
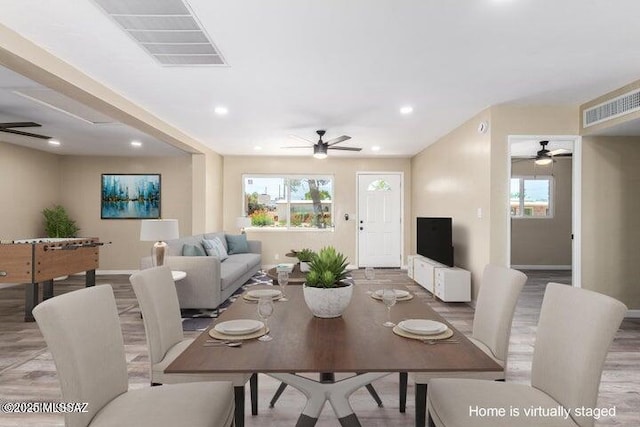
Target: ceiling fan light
(320, 151)
(543, 160)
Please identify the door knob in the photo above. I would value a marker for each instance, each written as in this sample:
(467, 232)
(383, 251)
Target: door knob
(361, 228)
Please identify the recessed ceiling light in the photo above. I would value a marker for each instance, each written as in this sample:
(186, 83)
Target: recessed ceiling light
(375, 148)
(54, 142)
(136, 144)
(407, 109)
(257, 148)
(220, 110)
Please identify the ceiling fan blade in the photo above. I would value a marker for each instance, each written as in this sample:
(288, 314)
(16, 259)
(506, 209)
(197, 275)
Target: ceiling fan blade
(297, 146)
(20, 125)
(302, 139)
(337, 140)
(345, 148)
(17, 132)
(559, 151)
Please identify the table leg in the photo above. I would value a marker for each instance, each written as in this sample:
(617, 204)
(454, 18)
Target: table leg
(337, 393)
(90, 278)
(47, 290)
(403, 391)
(30, 301)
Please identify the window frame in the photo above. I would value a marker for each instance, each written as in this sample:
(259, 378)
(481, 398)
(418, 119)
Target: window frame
(287, 190)
(522, 179)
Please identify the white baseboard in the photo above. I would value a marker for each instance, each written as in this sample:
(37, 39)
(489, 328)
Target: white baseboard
(633, 314)
(541, 267)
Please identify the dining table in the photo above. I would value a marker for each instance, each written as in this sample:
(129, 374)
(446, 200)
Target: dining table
(356, 342)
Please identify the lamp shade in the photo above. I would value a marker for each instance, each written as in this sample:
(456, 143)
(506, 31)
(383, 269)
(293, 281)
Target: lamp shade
(155, 230)
(243, 222)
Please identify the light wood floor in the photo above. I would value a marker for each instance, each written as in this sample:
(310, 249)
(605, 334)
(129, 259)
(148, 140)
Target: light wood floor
(27, 372)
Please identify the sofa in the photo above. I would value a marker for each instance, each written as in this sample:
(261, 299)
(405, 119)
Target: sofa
(209, 280)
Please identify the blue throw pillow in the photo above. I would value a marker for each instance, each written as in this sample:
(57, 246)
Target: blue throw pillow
(215, 247)
(192, 250)
(237, 244)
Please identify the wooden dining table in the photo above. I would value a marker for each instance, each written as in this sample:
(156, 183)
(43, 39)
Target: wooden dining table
(355, 343)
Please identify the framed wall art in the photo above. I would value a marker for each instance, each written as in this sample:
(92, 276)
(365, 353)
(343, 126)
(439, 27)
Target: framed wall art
(130, 196)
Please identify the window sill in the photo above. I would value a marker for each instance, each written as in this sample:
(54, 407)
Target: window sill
(285, 229)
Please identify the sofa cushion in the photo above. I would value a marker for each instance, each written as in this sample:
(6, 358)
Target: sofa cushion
(249, 260)
(193, 250)
(219, 235)
(215, 248)
(237, 244)
(230, 272)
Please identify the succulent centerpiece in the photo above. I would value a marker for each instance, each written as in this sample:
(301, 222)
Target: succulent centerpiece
(326, 291)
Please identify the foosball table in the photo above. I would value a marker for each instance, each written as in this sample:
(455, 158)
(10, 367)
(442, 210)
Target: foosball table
(35, 261)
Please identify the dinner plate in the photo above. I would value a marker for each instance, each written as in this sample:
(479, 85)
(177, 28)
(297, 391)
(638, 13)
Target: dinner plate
(422, 326)
(238, 327)
(259, 293)
(399, 293)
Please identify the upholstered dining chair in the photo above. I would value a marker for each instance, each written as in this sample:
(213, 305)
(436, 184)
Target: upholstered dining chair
(158, 301)
(575, 330)
(82, 331)
(495, 305)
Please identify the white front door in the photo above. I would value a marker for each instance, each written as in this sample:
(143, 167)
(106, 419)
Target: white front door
(379, 220)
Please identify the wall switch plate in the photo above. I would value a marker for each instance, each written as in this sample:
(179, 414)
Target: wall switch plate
(479, 213)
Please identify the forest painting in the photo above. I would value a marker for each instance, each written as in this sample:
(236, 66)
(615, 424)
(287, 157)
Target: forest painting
(134, 196)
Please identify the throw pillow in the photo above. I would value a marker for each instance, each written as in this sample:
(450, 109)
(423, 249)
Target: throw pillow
(192, 250)
(215, 247)
(237, 244)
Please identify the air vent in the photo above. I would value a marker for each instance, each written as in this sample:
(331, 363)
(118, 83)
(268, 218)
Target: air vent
(617, 107)
(166, 29)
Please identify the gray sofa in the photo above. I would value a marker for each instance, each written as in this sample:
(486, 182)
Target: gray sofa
(209, 281)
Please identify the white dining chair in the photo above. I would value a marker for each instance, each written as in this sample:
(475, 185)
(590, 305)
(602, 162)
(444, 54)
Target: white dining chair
(82, 331)
(575, 330)
(158, 301)
(495, 306)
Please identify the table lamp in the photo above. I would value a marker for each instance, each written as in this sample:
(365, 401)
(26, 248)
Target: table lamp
(158, 230)
(243, 222)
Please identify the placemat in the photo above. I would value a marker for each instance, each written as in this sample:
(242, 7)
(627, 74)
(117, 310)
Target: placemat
(379, 297)
(441, 336)
(249, 298)
(220, 336)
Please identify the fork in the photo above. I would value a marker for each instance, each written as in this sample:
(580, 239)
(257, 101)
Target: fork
(445, 341)
(223, 343)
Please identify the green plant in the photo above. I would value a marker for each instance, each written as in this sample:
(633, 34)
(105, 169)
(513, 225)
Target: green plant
(58, 224)
(327, 269)
(261, 219)
(305, 255)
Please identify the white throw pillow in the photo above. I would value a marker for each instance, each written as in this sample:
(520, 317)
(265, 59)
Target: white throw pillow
(215, 247)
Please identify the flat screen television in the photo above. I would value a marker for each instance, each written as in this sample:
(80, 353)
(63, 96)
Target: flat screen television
(434, 239)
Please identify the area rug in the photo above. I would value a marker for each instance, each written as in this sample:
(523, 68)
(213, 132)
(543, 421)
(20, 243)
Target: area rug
(199, 320)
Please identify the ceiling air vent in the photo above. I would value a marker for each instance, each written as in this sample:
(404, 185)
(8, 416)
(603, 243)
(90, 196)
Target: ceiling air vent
(616, 107)
(166, 29)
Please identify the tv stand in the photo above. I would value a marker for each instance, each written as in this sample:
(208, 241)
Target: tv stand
(450, 284)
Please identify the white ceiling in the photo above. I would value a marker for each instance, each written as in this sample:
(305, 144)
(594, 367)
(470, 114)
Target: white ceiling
(345, 66)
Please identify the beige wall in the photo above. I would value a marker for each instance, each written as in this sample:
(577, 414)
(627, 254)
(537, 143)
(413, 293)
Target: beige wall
(451, 178)
(518, 120)
(207, 192)
(29, 182)
(344, 170)
(80, 194)
(610, 220)
(544, 241)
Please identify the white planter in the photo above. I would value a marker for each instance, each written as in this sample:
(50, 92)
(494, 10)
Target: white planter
(327, 302)
(304, 266)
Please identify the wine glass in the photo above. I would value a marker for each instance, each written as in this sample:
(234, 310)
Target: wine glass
(283, 280)
(369, 274)
(389, 300)
(265, 310)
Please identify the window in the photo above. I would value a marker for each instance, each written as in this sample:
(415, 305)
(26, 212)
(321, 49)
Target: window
(531, 197)
(289, 202)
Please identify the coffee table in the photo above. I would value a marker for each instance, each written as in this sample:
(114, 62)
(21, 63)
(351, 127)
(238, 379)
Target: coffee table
(296, 276)
(356, 342)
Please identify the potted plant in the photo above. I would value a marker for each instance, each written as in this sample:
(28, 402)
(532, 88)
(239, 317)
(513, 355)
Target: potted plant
(58, 224)
(325, 291)
(305, 256)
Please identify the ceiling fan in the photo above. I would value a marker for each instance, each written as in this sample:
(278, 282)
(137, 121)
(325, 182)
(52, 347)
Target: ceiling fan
(321, 147)
(545, 157)
(8, 128)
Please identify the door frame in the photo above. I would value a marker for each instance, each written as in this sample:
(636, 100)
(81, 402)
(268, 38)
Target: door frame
(402, 221)
(576, 201)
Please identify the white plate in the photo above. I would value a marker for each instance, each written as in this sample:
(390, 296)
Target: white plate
(399, 293)
(258, 293)
(238, 327)
(422, 326)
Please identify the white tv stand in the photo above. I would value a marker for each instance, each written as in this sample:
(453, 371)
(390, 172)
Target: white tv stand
(450, 284)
